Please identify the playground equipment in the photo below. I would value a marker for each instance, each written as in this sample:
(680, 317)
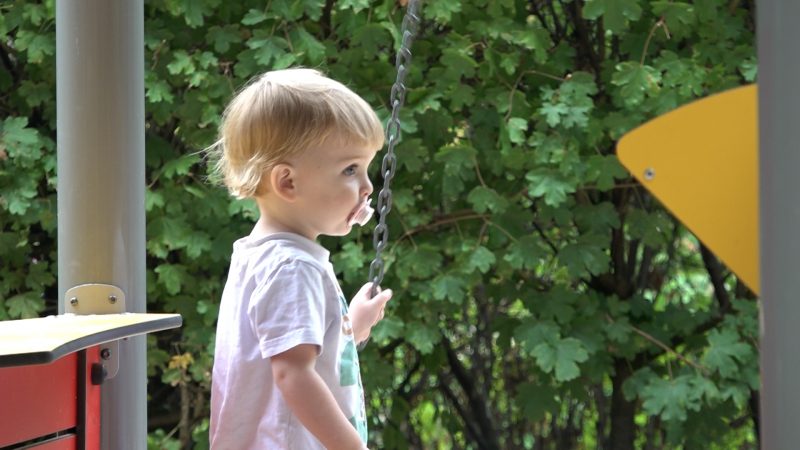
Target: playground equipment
(701, 162)
(734, 182)
(52, 370)
(112, 91)
(101, 249)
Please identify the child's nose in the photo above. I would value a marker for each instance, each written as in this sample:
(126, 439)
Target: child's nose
(366, 187)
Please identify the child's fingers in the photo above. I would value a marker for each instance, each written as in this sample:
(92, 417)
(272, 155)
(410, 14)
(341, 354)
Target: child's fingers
(383, 296)
(364, 289)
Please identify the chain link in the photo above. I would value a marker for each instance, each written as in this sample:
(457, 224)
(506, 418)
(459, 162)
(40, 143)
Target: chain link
(380, 235)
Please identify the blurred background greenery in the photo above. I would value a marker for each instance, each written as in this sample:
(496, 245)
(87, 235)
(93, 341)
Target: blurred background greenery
(543, 299)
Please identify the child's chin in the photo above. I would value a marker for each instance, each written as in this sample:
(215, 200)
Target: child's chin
(344, 231)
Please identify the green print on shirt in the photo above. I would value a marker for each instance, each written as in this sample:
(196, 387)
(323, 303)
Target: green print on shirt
(360, 426)
(348, 369)
(348, 363)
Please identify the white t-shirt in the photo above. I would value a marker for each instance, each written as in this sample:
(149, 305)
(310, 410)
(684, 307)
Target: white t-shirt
(281, 292)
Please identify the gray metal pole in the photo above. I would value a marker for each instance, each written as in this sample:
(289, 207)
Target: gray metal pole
(101, 216)
(779, 184)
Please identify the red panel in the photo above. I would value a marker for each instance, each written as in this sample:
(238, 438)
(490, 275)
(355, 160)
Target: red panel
(69, 442)
(92, 401)
(37, 400)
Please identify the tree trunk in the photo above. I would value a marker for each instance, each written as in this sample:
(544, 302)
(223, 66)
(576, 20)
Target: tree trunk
(623, 427)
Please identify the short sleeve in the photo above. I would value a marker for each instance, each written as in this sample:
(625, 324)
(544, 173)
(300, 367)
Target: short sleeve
(288, 309)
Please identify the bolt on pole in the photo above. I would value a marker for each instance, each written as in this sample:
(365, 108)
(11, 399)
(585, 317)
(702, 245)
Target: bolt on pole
(101, 215)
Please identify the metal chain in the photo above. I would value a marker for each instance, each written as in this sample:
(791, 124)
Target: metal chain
(398, 96)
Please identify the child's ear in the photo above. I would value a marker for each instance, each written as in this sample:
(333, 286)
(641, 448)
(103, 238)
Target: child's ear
(282, 182)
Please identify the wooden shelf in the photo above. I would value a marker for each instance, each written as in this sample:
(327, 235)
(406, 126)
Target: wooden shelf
(43, 340)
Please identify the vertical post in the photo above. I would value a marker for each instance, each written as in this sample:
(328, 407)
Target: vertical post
(779, 184)
(101, 216)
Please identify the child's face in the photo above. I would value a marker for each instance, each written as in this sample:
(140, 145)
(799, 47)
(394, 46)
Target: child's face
(331, 185)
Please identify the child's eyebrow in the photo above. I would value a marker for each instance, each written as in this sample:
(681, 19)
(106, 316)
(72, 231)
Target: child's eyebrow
(352, 157)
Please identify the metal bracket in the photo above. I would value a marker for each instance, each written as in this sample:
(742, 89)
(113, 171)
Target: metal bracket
(96, 298)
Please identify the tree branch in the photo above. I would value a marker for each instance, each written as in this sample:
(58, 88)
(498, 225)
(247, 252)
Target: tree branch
(476, 403)
(714, 269)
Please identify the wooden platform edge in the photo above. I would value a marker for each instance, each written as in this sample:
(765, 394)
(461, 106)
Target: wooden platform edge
(136, 329)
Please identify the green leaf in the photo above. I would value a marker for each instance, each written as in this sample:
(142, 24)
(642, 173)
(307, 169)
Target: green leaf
(738, 393)
(671, 399)
(458, 64)
(181, 63)
(36, 94)
(152, 200)
(635, 81)
(516, 130)
(305, 42)
(457, 159)
(171, 276)
(548, 184)
(531, 333)
(194, 10)
(36, 45)
(562, 357)
(223, 37)
(16, 134)
(749, 69)
(485, 199)
(388, 328)
(421, 262)
(196, 244)
(605, 170)
(619, 331)
(158, 91)
(651, 228)
(678, 16)
(553, 112)
(525, 253)
(636, 383)
(587, 256)
(350, 261)
(371, 37)
(39, 276)
(725, 347)
(253, 17)
(25, 306)
(20, 199)
(442, 10)
(355, 5)
(180, 166)
(615, 13)
(598, 218)
(422, 336)
(555, 305)
(449, 287)
(533, 37)
(481, 259)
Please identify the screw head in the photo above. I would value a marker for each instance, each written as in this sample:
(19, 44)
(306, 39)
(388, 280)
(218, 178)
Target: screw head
(73, 301)
(105, 353)
(112, 299)
(649, 173)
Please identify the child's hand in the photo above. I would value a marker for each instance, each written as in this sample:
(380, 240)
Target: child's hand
(365, 312)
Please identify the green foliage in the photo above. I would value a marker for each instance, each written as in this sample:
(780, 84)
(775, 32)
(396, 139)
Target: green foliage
(532, 276)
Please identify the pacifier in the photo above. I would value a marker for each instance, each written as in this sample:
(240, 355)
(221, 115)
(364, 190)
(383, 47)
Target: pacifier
(363, 214)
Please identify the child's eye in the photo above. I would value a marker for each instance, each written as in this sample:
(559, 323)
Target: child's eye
(350, 170)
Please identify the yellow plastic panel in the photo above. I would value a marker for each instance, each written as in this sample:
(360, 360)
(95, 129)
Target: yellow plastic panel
(701, 162)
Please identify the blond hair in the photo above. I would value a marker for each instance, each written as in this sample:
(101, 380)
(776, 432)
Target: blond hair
(280, 114)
